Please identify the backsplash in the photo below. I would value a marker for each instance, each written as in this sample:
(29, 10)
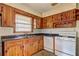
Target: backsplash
(58, 30)
(7, 31)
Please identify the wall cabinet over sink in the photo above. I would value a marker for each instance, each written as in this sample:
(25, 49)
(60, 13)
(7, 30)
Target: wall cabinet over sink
(7, 15)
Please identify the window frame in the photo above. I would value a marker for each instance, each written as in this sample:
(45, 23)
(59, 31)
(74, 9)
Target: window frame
(15, 23)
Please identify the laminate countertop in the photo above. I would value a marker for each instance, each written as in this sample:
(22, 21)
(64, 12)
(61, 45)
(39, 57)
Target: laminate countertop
(10, 37)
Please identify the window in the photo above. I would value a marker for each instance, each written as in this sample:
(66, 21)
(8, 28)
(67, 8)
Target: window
(23, 23)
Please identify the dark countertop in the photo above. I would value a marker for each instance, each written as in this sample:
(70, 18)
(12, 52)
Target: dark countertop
(26, 36)
(31, 35)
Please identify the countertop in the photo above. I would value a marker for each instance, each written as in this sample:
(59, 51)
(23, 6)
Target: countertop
(10, 37)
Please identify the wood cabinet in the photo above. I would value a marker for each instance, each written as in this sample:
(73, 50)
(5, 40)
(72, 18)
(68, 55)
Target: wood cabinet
(77, 14)
(23, 47)
(56, 18)
(30, 47)
(13, 48)
(7, 16)
(38, 23)
(68, 19)
(44, 22)
(49, 22)
(61, 20)
(69, 15)
(40, 44)
(35, 46)
(0, 8)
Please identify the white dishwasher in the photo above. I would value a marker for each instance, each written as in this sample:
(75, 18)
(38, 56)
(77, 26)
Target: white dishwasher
(48, 43)
(65, 46)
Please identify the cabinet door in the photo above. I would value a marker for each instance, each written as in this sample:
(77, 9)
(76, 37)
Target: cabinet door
(25, 47)
(0, 8)
(7, 16)
(12, 48)
(68, 15)
(57, 18)
(44, 22)
(38, 23)
(29, 49)
(13, 51)
(49, 22)
(69, 18)
(35, 46)
(40, 44)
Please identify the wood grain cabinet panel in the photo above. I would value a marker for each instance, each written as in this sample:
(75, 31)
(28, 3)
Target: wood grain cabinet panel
(23, 47)
(7, 16)
(44, 22)
(12, 49)
(77, 14)
(57, 18)
(49, 22)
(35, 47)
(38, 23)
(66, 19)
(0, 8)
(69, 15)
(62, 20)
(29, 49)
(40, 44)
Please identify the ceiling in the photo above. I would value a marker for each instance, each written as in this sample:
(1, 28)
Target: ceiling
(39, 7)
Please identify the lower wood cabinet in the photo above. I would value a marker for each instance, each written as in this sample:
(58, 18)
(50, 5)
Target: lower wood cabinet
(40, 45)
(13, 48)
(23, 47)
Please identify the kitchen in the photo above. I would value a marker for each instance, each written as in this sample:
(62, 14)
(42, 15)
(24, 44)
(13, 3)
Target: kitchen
(41, 29)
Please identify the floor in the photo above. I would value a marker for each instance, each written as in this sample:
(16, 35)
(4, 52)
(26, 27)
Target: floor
(44, 53)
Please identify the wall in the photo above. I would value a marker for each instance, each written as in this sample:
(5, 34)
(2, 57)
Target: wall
(8, 30)
(60, 8)
(56, 9)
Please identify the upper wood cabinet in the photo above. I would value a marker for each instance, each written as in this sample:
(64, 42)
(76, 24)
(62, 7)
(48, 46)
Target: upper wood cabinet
(38, 23)
(69, 15)
(50, 22)
(57, 18)
(7, 16)
(0, 8)
(44, 22)
(77, 14)
(61, 20)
